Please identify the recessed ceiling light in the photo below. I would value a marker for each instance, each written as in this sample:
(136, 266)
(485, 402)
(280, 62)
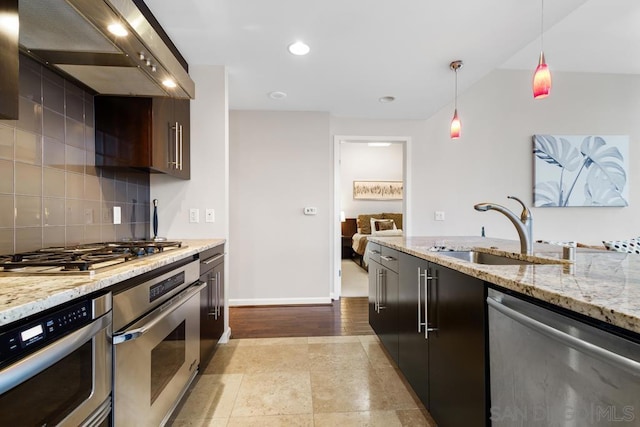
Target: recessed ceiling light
(117, 30)
(386, 99)
(169, 83)
(277, 95)
(379, 144)
(299, 48)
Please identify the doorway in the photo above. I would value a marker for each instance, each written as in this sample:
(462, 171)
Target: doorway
(363, 158)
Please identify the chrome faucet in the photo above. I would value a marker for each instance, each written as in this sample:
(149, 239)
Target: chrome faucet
(524, 224)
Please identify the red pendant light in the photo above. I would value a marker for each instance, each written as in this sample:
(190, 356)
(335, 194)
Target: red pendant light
(455, 125)
(542, 76)
(455, 122)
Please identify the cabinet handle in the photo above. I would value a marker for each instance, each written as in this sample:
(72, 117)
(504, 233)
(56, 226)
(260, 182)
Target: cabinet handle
(427, 289)
(211, 305)
(428, 278)
(387, 258)
(171, 163)
(377, 300)
(180, 162)
(383, 291)
(175, 163)
(219, 294)
(420, 276)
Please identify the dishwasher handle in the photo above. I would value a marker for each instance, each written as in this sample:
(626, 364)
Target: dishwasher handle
(586, 347)
(165, 310)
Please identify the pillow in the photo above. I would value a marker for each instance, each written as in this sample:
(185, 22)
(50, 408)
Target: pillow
(386, 224)
(631, 246)
(396, 217)
(378, 224)
(364, 223)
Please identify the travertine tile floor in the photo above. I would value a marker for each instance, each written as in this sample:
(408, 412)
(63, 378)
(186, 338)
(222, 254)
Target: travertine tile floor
(315, 381)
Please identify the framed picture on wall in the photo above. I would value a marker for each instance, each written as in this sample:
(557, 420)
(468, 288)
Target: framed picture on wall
(378, 190)
(581, 170)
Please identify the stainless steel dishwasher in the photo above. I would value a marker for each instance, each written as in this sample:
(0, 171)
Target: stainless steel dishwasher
(548, 369)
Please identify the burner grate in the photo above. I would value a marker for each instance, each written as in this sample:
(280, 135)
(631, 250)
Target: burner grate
(83, 258)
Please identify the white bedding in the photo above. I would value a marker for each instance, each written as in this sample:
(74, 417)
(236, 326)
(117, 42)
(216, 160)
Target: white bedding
(356, 242)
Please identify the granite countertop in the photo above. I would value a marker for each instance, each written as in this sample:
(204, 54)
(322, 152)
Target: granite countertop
(603, 285)
(24, 295)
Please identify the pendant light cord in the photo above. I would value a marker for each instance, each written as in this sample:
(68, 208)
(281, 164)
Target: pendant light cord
(542, 27)
(455, 98)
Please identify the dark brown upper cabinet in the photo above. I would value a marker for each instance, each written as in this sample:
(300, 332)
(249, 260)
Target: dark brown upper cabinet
(151, 134)
(9, 82)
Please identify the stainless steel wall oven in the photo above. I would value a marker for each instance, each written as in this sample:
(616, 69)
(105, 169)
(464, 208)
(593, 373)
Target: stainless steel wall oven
(55, 367)
(156, 343)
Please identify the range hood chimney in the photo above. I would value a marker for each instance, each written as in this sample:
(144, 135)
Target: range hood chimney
(73, 36)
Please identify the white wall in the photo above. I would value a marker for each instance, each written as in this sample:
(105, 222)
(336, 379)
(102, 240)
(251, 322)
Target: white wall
(359, 162)
(280, 162)
(208, 186)
(494, 157)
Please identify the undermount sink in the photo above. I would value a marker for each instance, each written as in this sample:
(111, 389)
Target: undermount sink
(489, 259)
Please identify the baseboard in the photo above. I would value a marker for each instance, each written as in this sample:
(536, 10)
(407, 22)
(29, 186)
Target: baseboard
(225, 337)
(279, 301)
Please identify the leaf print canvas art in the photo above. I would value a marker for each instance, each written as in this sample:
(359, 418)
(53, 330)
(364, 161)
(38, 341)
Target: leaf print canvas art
(582, 170)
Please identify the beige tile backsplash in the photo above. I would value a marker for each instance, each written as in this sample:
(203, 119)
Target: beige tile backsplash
(28, 179)
(51, 193)
(6, 176)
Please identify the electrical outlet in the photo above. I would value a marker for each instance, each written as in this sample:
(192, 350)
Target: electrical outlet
(210, 215)
(194, 215)
(439, 216)
(117, 215)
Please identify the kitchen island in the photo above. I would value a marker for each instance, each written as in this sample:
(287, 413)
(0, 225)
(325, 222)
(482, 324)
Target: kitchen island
(602, 285)
(500, 338)
(22, 295)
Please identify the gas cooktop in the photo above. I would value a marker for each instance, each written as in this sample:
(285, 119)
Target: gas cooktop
(82, 259)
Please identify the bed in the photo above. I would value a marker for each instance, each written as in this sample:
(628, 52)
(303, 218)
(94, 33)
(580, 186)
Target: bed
(380, 224)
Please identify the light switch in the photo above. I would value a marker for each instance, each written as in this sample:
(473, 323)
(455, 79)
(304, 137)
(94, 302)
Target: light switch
(210, 215)
(117, 215)
(310, 211)
(194, 215)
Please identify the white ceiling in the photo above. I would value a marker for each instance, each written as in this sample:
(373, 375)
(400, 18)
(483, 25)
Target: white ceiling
(362, 50)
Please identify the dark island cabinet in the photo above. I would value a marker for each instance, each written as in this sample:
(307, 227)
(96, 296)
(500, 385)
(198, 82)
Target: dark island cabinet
(445, 363)
(413, 345)
(383, 299)
(151, 134)
(457, 350)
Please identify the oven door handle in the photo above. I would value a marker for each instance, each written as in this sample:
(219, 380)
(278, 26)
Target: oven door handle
(163, 311)
(37, 362)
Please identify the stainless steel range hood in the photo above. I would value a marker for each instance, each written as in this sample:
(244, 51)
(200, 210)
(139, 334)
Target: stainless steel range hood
(72, 36)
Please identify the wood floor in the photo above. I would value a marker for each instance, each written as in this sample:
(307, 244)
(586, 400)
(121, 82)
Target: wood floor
(347, 316)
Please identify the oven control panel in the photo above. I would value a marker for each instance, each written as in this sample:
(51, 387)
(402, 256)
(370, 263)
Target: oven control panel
(165, 286)
(36, 333)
